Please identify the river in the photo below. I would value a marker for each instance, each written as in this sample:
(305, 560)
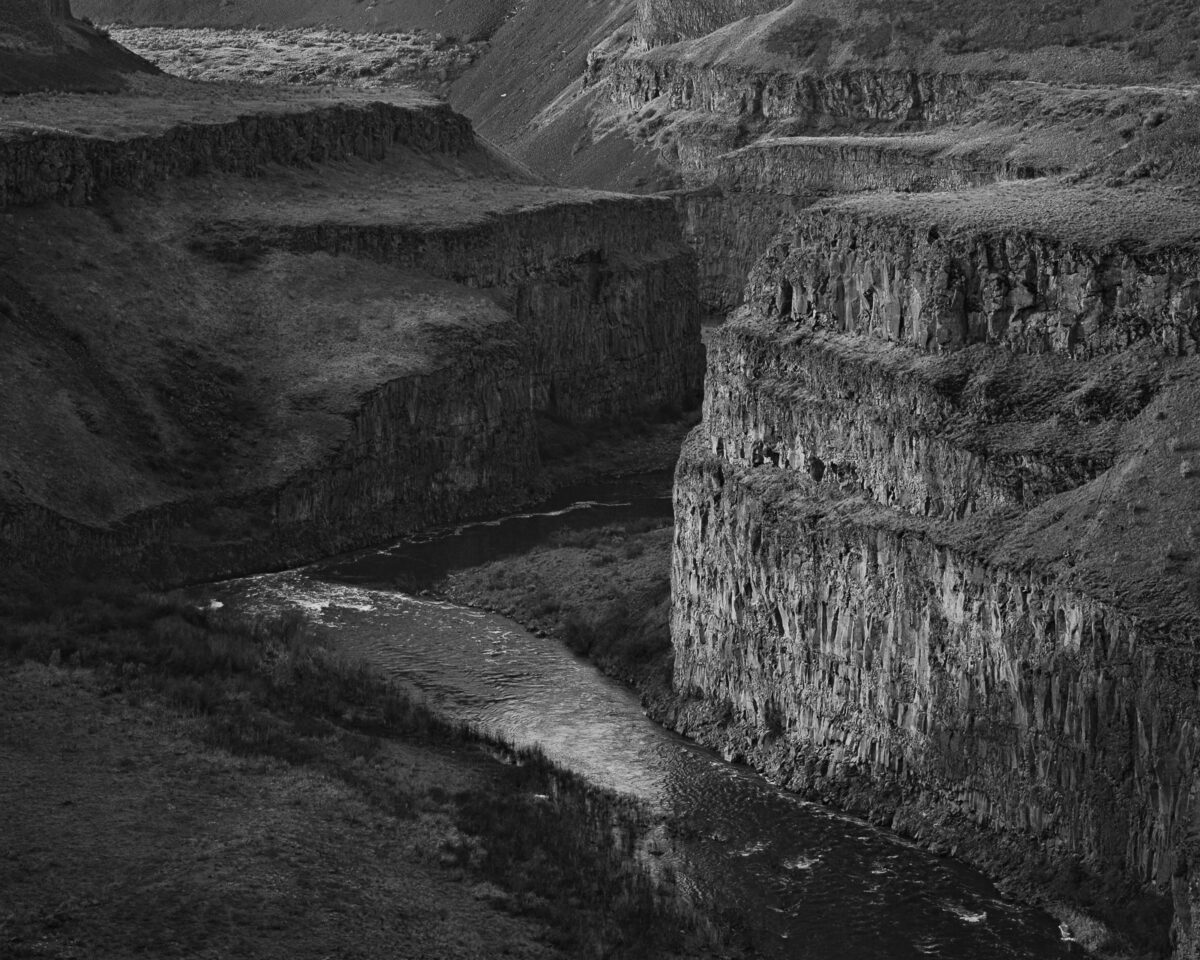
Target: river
(809, 881)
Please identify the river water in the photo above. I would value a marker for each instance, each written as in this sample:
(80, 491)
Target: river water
(810, 882)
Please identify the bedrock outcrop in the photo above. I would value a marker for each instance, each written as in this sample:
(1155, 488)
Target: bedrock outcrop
(943, 580)
(600, 287)
(219, 372)
(851, 98)
(742, 199)
(39, 164)
(923, 275)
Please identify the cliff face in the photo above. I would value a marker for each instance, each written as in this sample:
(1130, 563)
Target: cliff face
(742, 199)
(986, 710)
(729, 231)
(848, 98)
(1028, 293)
(39, 166)
(317, 355)
(823, 166)
(927, 565)
(601, 290)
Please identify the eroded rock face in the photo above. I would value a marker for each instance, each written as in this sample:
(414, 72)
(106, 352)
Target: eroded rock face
(854, 98)
(602, 292)
(36, 167)
(442, 334)
(936, 437)
(869, 662)
(1029, 293)
(861, 605)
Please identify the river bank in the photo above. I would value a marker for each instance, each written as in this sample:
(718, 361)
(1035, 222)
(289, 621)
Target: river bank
(605, 593)
(190, 782)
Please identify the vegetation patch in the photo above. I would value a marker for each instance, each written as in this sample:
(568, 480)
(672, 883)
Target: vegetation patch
(264, 705)
(605, 592)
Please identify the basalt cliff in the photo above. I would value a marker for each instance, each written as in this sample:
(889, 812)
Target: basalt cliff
(934, 554)
(935, 557)
(240, 327)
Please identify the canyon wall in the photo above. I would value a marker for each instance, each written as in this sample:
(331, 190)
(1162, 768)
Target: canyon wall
(853, 99)
(741, 199)
(329, 370)
(921, 565)
(602, 292)
(1029, 293)
(729, 231)
(418, 451)
(36, 165)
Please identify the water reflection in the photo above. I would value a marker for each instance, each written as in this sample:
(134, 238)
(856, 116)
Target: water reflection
(814, 884)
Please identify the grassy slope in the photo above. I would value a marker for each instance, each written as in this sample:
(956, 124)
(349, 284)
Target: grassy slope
(172, 356)
(527, 94)
(305, 56)
(188, 783)
(605, 592)
(1105, 42)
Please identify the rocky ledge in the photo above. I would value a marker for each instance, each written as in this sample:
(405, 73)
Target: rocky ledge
(320, 355)
(931, 561)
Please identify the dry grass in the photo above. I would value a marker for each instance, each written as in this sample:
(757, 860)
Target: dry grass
(310, 57)
(188, 783)
(151, 105)
(468, 19)
(1107, 43)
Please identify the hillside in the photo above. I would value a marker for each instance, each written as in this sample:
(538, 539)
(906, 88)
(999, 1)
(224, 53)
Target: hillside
(42, 47)
(463, 19)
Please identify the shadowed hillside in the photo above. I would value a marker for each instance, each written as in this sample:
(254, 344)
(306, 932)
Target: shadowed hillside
(42, 47)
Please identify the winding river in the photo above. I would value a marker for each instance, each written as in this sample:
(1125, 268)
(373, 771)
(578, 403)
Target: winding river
(810, 882)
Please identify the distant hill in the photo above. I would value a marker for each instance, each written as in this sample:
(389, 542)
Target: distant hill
(43, 47)
(1097, 41)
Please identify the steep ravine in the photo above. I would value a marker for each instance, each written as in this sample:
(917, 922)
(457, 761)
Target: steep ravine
(928, 560)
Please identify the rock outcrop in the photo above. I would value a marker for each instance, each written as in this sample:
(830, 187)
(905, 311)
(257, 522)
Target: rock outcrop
(309, 356)
(1029, 293)
(928, 560)
(850, 99)
(38, 165)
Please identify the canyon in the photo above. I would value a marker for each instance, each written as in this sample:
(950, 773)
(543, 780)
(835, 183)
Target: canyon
(934, 558)
(369, 313)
